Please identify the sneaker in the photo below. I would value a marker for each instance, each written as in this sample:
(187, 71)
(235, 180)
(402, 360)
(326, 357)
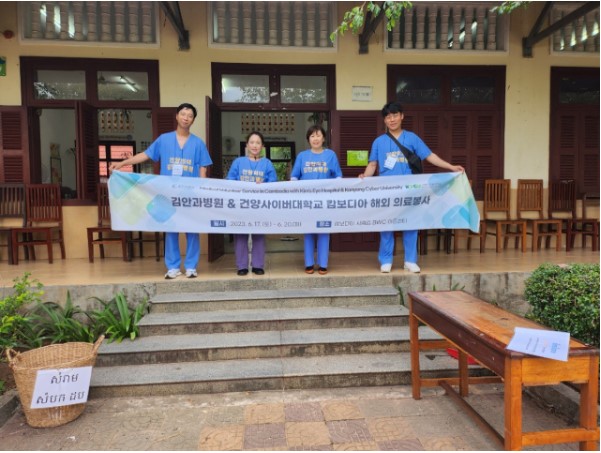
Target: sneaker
(412, 267)
(191, 273)
(242, 272)
(386, 268)
(322, 271)
(172, 273)
(309, 270)
(258, 271)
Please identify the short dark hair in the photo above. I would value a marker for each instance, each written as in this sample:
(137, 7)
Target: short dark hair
(185, 105)
(258, 134)
(392, 107)
(316, 128)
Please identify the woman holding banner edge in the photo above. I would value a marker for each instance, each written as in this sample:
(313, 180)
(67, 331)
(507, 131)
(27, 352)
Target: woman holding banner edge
(386, 157)
(257, 169)
(316, 163)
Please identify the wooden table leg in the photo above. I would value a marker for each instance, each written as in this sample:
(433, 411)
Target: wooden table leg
(414, 340)
(463, 374)
(513, 404)
(589, 394)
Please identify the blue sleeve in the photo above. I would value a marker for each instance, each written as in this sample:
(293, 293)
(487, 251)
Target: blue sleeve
(270, 174)
(296, 170)
(154, 150)
(336, 171)
(205, 158)
(234, 173)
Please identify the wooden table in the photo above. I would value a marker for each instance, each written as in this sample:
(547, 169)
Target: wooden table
(481, 330)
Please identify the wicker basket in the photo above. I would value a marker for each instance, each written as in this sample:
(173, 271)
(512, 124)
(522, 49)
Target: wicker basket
(26, 365)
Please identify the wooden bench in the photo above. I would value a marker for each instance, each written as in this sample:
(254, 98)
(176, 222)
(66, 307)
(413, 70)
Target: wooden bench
(482, 331)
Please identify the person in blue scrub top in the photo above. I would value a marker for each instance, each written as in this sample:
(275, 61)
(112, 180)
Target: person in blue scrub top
(386, 158)
(316, 163)
(180, 153)
(257, 169)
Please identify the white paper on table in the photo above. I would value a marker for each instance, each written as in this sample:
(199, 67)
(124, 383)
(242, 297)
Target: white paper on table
(543, 343)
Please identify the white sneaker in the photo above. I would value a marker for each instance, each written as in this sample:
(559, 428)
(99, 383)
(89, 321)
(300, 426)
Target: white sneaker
(172, 273)
(412, 267)
(386, 268)
(191, 273)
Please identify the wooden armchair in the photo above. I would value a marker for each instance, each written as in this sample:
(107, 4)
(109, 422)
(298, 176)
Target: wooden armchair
(12, 213)
(43, 221)
(497, 201)
(102, 234)
(530, 202)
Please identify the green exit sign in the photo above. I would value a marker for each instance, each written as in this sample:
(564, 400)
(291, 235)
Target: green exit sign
(357, 158)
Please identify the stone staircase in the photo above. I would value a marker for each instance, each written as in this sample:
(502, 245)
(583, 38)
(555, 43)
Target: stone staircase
(251, 339)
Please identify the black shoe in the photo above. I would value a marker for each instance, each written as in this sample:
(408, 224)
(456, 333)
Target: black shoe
(258, 271)
(242, 271)
(322, 271)
(309, 269)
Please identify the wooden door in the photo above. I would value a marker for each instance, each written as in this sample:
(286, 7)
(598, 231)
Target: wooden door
(354, 130)
(213, 131)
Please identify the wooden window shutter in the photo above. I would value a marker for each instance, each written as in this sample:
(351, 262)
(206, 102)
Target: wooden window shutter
(88, 171)
(14, 145)
(590, 157)
(354, 130)
(163, 121)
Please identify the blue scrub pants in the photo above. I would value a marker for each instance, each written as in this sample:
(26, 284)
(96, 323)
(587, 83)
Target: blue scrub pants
(172, 254)
(387, 246)
(323, 249)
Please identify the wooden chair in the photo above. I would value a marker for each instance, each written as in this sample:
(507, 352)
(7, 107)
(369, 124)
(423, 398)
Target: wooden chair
(530, 202)
(102, 234)
(562, 203)
(481, 235)
(443, 237)
(586, 226)
(497, 201)
(43, 221)
(12, 213)
(137, 237)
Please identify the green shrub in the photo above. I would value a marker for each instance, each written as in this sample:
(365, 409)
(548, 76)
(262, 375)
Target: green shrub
(117, 320)
(566, 298)
(57, 324)
(17, 330)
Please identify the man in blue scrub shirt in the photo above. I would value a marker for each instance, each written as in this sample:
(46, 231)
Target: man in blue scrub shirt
(181, 153)
(389, 160)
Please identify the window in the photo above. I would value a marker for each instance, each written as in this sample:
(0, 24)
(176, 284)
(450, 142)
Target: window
(109, 152)
(126, 23)
(465, 26)
(96, 100)
(285, 87)
(279, 24)
(52, 84)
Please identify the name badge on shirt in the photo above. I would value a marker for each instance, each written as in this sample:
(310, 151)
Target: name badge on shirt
(390, 162)
(177, 170)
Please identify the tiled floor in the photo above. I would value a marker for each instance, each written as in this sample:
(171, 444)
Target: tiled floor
(286, 264)
(368, 418)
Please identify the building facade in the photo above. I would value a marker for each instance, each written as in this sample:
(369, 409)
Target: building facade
(84, 83)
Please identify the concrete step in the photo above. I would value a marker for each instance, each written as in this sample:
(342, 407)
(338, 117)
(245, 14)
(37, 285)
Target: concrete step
(246, 320)
(275, 298)
(347, 370)
(257, 345)
(253, 282)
